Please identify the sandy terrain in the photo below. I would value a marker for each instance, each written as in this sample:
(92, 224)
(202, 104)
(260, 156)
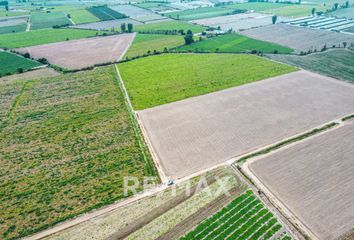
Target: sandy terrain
(239, 21)
(314, 179)
(77, 54)
(197, 133)
(298, 38)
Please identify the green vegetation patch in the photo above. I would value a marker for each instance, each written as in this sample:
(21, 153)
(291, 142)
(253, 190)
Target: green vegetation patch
(244, 218)
(167, 78)
(13, 29)
(151, 42)
(105, 13)
(44, 36)
(169, 26)
(82, 16)
(257, 6)
(234, 43)
(48, 20)
(336, 63)
(66, 144)
(11, 63)
(295, 10)
(198, 13)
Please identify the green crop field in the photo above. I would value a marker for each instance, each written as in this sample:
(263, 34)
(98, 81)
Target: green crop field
(334, 63)
(199, 13)
(48, 20)
(4, 13)
(257, 6)
(13, 29)
(105, 13)
(150, 42)
(11, 63)
(43, 36)
(167, 78)
(244, 218)
(169, 26)
(66, 143)
(82, 16)
(295, 10)
(344, 12)
(234, 43)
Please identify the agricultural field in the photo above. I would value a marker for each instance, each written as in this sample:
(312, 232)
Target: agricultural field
(150, 42)
(13, 21)
(48, 20)
(234, 43)
(169, 26)
(13, 29)
(344, 12)
(11, 63)
(42, 72)
(299, 38)
(156, 80)
(66, 143)
(244, 218)
(78, 54)
(107, 25)
(323, 167)
(131, 11)
(296, 10)
(239, 22)
(219, 126)
(258, 6)
(163, 215)
(44, 36)
(105, 13)
(198, 13)
(81, 16)
(337, 63)
(4, 13)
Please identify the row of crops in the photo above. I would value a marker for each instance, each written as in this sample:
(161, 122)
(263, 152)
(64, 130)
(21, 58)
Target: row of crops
(326, 23)
(244, 218)
(105, 13)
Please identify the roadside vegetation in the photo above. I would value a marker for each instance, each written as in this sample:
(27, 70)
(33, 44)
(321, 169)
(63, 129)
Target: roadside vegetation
(233, 43)
(66, 143)
(157, 80)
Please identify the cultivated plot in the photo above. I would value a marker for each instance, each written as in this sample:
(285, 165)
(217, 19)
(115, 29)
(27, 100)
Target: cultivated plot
(11, 63)
(239, 22)
(299, 38)
(12, 21)
(132, 11)
(195, 134)
(336, 63)
(83, 53)
(314, 180)
(107, 25)
(48, 20)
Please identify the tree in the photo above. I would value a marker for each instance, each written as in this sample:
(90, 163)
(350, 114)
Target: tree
(274, 19)
(345, 44)
(313, 11)
(27, 55)
(346, 4)
(122, 27)
(336, 6)
(188, 39)
(130, 27)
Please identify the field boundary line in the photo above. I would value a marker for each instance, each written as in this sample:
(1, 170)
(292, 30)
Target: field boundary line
(142, 129)
(127, 48)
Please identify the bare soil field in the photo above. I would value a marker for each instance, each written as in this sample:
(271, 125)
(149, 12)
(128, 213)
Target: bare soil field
(35, 74)
(12, 21)
(82, 53)
(299, 38)
(239, 22)
(314, 180)
(106, 25)
(198, 133)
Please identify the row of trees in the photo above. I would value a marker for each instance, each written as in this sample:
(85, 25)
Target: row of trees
(126, 27)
